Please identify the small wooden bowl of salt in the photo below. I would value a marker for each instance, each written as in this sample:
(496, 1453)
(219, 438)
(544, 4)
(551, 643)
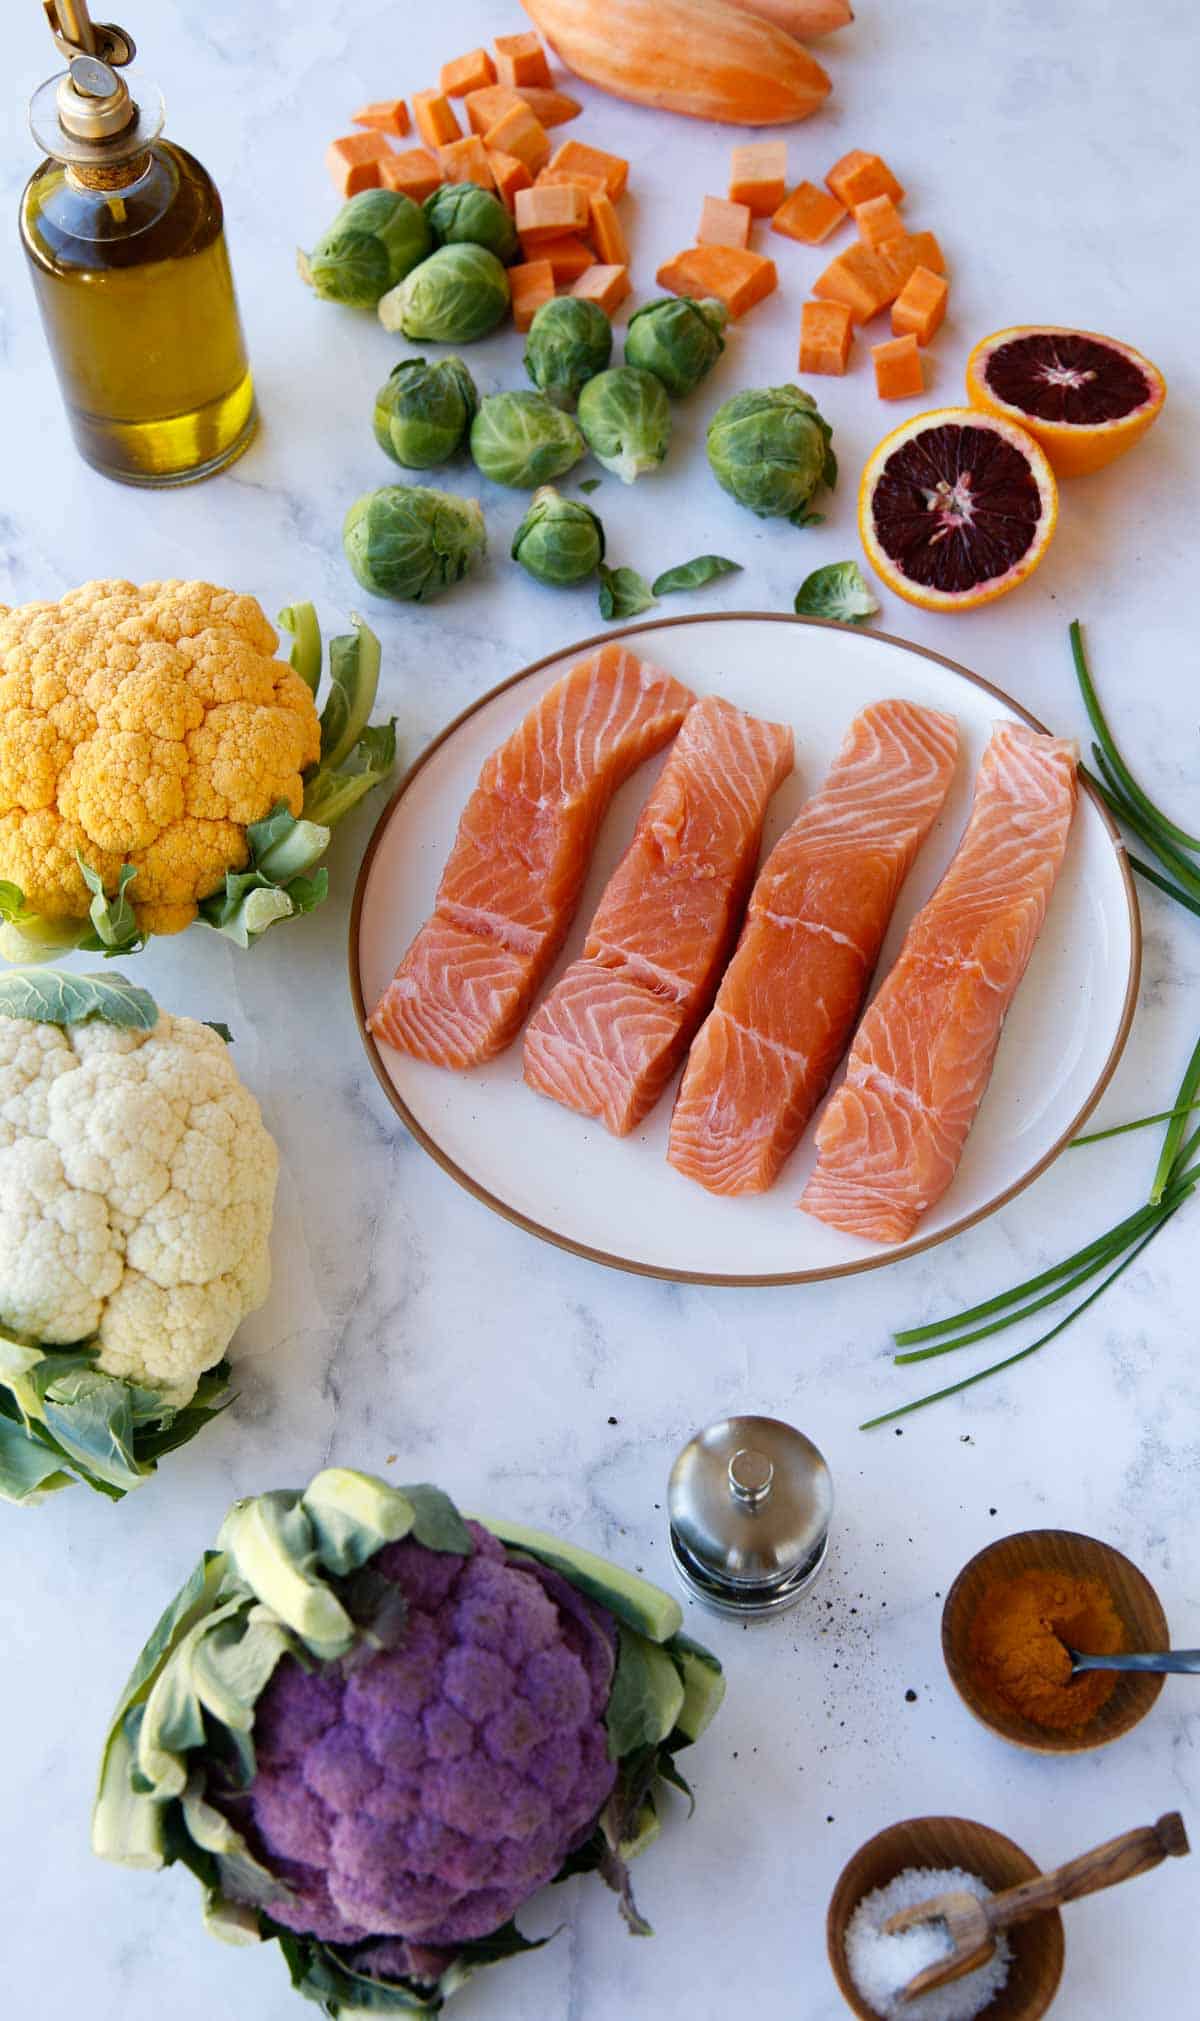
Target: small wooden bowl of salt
(909, 1863)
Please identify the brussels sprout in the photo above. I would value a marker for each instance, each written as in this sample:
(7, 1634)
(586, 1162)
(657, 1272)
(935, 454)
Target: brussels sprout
(424, 413)
(677, 339)
(520, 439)
(410, 543)
(771, 450)
(457, 294)
(569, 342)
(373, 242)
(626, 419)
(461, 213)
(560, 540)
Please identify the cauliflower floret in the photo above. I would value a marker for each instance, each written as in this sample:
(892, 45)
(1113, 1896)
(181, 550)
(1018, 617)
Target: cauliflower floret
(137, 1184)
(148, 726)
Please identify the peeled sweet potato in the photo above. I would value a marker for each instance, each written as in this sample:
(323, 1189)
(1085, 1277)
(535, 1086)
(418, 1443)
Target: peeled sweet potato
(801, 18)
(705, 58)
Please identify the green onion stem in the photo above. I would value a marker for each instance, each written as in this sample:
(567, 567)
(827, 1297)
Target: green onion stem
(1153, 876)
(1166, 852)
(1023, 1354)
(1050, 1297)
(1174, 1137)
(1096, 716)
(1139, 1123)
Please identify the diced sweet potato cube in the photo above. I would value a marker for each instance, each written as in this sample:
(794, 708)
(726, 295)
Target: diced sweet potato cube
(595, 185)
(878, 219)
(736, 277)
(414, 173)
(909, 251)
(553, 108)
(467, 73)
(808, 214)
(466, 160)
(898, 374)
(550, 108)
(384, 115)
(435, 119)
(723, 223)
(858, 176)
(518, 132)
(520, 59)
(575, 154)
(605, 232)
(920, 307)
(548, 212)
(861, 279)
(606, 286)
(530, 285)
(826, 334)
(509, 175)
(569, 257)
(353, 161)
(758, 176)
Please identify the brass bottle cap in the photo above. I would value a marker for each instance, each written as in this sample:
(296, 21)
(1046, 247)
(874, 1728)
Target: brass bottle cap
(87, 116)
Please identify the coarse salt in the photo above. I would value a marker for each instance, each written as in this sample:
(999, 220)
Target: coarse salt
(882, 1964)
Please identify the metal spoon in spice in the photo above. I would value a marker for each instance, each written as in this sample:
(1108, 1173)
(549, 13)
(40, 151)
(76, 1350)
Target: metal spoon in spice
(1174, 1662)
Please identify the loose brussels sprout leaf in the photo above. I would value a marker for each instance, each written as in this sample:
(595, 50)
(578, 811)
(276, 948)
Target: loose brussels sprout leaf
(569, 342)
(838, 591)
(694, 574)
(461, 213)
(590, 484)
(424, 413)
(560, 541)
(412, 543)
(374, 241)
(626, 420)
(458, 294)
(623, 593)
(770, 449)
(521, 439)
(677, 339)
(53, 996)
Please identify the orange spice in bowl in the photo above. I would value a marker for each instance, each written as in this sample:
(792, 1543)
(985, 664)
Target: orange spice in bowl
(1019, 1638)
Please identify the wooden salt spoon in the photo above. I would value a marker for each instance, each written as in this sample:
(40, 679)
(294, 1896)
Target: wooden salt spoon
(973, 1924)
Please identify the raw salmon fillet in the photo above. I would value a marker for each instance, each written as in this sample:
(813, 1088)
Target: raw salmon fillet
(613, 1030)
(514, 876)
(818, 914)
(891, 1139)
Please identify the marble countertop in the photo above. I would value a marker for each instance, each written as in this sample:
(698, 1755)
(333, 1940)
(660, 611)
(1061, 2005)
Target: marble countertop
(411, 1331)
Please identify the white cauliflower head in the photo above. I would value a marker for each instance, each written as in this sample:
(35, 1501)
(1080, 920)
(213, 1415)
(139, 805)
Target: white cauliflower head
(137, 1184)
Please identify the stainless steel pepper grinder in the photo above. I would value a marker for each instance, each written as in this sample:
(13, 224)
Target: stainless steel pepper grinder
(749, 1503)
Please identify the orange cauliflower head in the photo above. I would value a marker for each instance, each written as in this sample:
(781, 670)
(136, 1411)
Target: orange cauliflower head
(148, 726)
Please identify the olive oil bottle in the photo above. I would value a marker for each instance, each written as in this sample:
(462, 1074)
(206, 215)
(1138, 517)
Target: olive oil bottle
(124, 235)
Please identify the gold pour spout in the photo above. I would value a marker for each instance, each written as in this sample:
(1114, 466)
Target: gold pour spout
(78, 35)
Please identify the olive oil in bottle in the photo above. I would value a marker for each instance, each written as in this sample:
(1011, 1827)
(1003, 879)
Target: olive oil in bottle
(124, 236)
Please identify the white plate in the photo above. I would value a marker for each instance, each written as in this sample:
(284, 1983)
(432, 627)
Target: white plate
(617, 1200)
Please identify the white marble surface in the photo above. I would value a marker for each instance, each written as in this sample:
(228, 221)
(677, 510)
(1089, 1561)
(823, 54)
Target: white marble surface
(1046, 144)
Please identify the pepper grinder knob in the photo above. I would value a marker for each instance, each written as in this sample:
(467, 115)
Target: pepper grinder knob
(750, 1476)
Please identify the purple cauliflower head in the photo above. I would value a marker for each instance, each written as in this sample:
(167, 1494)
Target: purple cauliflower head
(410, 1802)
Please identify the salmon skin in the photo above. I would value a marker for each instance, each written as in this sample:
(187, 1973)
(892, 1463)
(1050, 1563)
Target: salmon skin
(611, 1033)
(514, 876)
(818, 915)
(891, 1139)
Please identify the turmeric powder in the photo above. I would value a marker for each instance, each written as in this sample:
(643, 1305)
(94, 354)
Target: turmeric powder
(1018, 1642)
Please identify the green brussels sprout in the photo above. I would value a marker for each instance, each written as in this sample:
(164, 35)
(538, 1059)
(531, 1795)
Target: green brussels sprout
(461, 213)
(677, 339)
(412, 543)
(373, 242)
(423, 414)
(569, 342)
(560, 540)
(770, 449)
(521, 439)
(626, 420)
(457, 294)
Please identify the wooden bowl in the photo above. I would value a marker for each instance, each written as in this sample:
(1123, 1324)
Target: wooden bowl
(1037, 1946)
(1135, 1600)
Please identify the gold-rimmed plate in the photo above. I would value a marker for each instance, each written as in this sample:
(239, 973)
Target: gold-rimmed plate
(563, 1178)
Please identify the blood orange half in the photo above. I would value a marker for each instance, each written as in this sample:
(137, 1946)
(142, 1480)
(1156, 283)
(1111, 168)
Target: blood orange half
(1086, 398)
(956, 507)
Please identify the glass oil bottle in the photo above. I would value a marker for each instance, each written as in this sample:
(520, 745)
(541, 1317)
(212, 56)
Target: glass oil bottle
(124, 236)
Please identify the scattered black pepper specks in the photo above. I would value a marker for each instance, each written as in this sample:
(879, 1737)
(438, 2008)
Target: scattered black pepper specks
(612, 1421)
(899, 1431)
(910, 1698)
(991, 1512)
